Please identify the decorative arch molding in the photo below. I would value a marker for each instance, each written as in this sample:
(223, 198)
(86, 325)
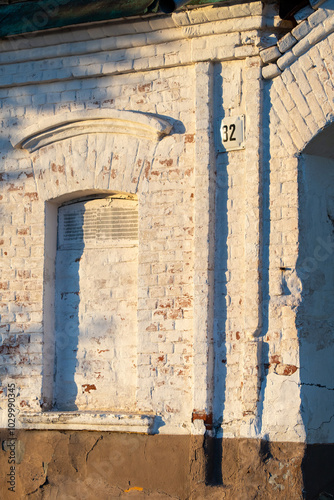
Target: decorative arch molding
(104, 121)
(310, 30)
(302, 99)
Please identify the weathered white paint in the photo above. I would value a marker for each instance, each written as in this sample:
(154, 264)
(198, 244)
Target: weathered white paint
(216, 300)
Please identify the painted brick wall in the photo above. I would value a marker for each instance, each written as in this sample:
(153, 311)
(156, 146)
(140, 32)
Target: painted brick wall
(216, 327)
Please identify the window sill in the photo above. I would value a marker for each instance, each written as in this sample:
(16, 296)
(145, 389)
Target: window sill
(92, 421)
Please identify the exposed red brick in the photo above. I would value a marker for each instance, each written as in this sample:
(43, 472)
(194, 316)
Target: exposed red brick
(286, 370)
(152, 328)
(175, 314)
(275, 359)
(144, 88)
(185, 301)
(147, 169)
(24, 274)
(12, 187)
(189, 138)
(32, 196)
(188, 172)
(164, 303)
(202, 415)
(9, 349)
(89, 387)
(168, 162)
(289, 369)
(160, 313)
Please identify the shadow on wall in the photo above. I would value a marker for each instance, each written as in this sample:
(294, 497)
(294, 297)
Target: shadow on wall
(213, 446)
(95, 304)
(315, 316)
(67, 302)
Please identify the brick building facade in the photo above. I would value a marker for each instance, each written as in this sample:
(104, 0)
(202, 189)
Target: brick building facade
(166, 299)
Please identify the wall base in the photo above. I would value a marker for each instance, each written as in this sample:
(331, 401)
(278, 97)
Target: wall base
(90, 465)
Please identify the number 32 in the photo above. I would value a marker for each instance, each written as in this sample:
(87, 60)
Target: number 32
(226, 136)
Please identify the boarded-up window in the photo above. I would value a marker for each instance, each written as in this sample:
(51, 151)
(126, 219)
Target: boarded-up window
(96, 305)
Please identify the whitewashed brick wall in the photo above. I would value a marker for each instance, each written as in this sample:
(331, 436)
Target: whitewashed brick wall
(217, 338)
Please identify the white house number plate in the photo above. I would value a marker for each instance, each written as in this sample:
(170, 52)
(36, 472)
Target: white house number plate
(232, 133)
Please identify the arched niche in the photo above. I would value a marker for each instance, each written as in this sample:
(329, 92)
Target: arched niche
(322, 144)
(63, 177)
(315, 269)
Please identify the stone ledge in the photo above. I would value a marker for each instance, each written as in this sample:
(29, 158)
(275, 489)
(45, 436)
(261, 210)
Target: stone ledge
(84, 420)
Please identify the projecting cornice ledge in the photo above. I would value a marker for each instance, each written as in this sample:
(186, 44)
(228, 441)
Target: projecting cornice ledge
(103, 121)
(89, 420)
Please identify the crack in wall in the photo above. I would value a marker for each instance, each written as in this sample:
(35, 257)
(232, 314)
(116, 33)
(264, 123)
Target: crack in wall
(92, 448)
(322, 423)
(317, 385)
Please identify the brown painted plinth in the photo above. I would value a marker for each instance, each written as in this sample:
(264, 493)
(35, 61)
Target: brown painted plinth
(103, 465)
